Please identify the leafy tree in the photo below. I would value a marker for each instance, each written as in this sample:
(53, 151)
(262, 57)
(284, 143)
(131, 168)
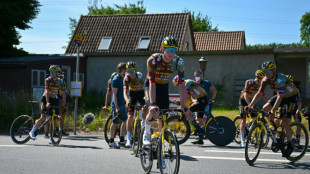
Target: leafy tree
(117, 9)
(200, 23)
(15, 14)
(273, 45)
(305, 29)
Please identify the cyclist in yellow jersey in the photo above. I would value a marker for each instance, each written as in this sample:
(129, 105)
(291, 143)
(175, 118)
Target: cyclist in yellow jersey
(53, 88)
(287, 94)
(160, 67)
(133, 93)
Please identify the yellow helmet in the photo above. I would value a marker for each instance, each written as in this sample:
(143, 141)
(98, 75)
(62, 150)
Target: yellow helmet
(268, 65)
(54, 68)
(131, 65)
(259, 73)
(170, 42)
(290, 77)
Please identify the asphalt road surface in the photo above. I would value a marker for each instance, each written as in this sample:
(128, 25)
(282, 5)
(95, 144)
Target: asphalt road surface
(88, 153)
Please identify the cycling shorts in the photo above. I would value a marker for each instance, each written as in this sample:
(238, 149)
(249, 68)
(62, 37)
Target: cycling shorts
(290, 108)
(200, 105)
(134, 97)
(116, 118)
(53, 101)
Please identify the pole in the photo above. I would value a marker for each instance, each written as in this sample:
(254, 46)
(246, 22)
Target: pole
(76, 79)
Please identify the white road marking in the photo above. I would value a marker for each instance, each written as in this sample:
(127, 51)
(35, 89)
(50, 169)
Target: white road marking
(237, 159)
(13, 145)
(242, 152)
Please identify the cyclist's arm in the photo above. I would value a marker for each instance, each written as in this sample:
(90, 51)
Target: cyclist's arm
(256, 98)
(247, 97)
(107, 98)
(115, 99)
(214, 92)
(47, 91)
(126, 95)
(182, 94)
(277, 103)
(152, 92)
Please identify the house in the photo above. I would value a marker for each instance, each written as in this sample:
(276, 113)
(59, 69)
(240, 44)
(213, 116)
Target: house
(29, 72)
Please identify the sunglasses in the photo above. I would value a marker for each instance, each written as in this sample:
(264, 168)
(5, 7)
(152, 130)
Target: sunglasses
(267, 71)
(52, 72)
(131, 71)
(169, 50)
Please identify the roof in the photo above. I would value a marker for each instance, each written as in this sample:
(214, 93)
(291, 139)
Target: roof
(212, 41)
(126, 31)
(33, 58)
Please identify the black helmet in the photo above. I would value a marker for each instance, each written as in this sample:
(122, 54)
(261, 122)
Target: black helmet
(170, 41)
(131, 65)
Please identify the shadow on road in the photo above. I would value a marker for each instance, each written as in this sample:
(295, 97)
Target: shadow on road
(188, 158)
(83, 138)
(80, 147)
(290, 165)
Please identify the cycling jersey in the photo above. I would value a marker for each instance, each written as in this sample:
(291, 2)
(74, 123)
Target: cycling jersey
(196, 91)
(205, 84)
(117, 82)
(281, 85)
(54, 86)
(134, 84)
(250, 88)
(159, 72)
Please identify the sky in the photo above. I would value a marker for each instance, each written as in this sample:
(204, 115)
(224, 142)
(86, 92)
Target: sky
(264, 21)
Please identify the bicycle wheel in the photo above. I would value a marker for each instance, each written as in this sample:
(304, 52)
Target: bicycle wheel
(253, 144)
(146, 155)
(300, 140)
(181, 128)
(56, 130)
(20, 129)
(107, 132)
(136, 137)
(170, 161)
(237, 122)
(222, 131)
(265, 138)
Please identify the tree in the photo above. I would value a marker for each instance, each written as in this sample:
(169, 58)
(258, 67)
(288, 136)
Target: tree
(201, 24)
(117, 9)
(305, 29)
(272, 45)
(15, 15)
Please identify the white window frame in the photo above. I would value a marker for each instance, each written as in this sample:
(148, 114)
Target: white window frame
(38, 77)
(68, 75)
(103, 40)
(81, 78)
(141, 39)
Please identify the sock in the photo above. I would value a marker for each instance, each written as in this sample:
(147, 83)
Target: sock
(196, 125)
(242, 136)
(111, 140)
(143, 122)
(128, 135)
(147, 129)
(121, 139)
(33, 129)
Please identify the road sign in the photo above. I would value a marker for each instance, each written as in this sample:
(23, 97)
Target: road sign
(78, 39)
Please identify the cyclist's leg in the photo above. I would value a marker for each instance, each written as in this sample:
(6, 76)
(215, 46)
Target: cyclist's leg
(123, 126)
(152, 113)
(115, 123)
(242, 104)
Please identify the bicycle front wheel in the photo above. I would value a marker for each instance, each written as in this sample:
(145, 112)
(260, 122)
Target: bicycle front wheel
(168, 154)
(20, 129)
(146, 155)
(300, 140)
(56, 130)
(221, 131)
(180, 127)
(237, 122)
(253, 144)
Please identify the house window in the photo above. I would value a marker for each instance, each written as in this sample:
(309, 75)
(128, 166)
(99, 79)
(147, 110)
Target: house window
(67, 72)
(105, 43)
(81, 78)
(38, 78)
(144, 43)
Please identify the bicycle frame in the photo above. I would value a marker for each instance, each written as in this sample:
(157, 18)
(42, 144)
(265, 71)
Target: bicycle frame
(137, 111)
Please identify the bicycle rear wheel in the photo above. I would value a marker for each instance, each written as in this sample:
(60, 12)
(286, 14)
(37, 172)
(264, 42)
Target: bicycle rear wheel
(146, 155)
(107, 132)
(222, 131)
(170, 161)
(181, 128)
(300, 139)
(56, 130)
(136, 137)
(253, 144)
(237, 122)
(20, 129)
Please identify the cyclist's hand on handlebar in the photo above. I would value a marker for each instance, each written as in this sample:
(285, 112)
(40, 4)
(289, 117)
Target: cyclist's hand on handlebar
(154, 110)
(48, 105)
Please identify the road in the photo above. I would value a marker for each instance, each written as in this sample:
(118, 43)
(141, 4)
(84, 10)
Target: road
(89, 153)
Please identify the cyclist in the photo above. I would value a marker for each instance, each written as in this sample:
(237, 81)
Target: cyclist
(250, 89)
(207, 86)
(118, 105)
(134, 91)
(53, 88)
(64, 106)
(200, 101)
(108, 94)
(297, 115)
(160, 67)
(286, 95)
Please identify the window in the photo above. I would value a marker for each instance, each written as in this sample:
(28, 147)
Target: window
(38, 78)
(144, 43)
(81, 78)
(67, 72)
(105, 43)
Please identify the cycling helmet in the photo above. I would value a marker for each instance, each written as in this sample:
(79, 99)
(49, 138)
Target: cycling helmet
(131, 65)
(268, 65)
(170, 42)
(290, 77)
(54, 68)
(189, 83)
(175, 80)
(260, 74)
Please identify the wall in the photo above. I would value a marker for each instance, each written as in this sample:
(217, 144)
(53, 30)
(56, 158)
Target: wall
(221, 65)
